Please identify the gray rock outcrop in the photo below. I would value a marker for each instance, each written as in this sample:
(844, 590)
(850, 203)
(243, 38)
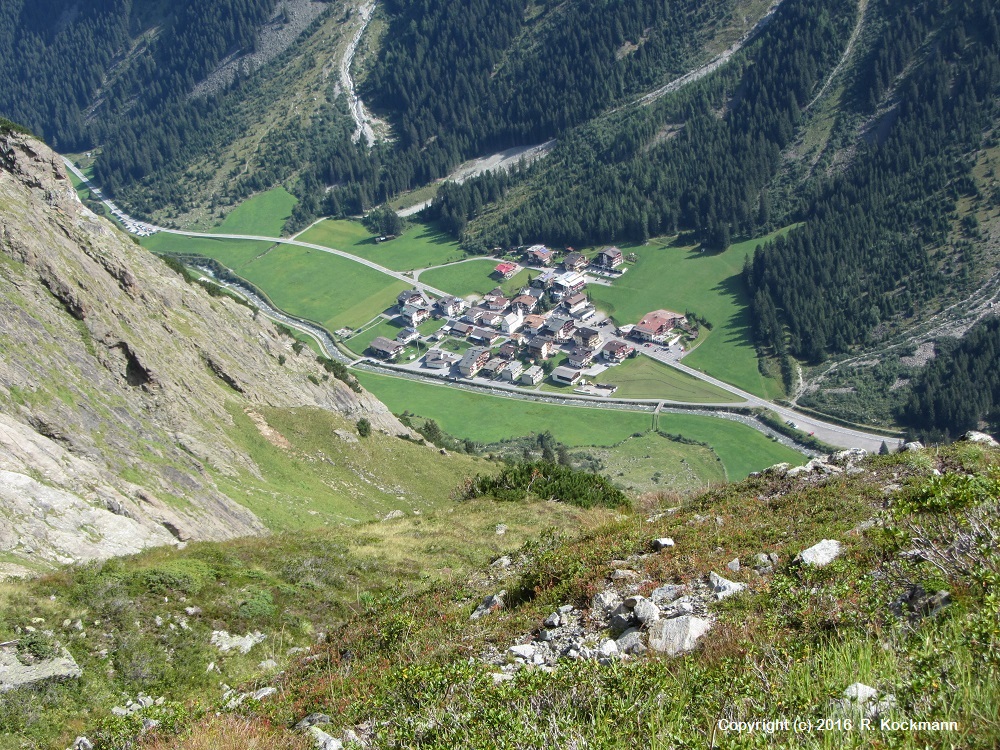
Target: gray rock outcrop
(822, 553)
(677, 635)
(114, 364)
(723, 588)
(16, 671)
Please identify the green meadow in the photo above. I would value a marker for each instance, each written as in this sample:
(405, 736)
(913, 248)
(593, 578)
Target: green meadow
(325, 288)
(473, 277)
(420, 246)
(489, 419)
(264, 214)
(643, 377)
(709, 284)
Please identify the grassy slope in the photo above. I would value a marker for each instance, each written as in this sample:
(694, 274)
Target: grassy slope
(681, 278)
(316, 579)
(785, 649)
(473, 277)
(234, 254)
(403, 665)
(420, 246)
(490, 419)
(653, 463)
(264, 214)
(325, 288)
(643, 377)
(328, 289)
(322, 479)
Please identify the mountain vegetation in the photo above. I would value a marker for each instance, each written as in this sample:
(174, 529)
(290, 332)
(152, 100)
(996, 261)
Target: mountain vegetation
(372, 635)
(959, 389)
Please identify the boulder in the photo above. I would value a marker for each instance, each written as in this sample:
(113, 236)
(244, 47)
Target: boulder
(525, 650)
(82, 743)
(605, 602)
(662, 543)
(734, 565)
(608, 650)
(489, 604)
(722, 587)
(821, 553)
(917, 603)
(678, 635)
(312, 720)
(860, 692)
(913, 446)
(552, 621)
(226, 642)
(764, 563)
(14, 674)
(982, 438)
(264, 692)
(666, 594)
(861, 698)
(323, 741)
(630, 642)
(623, 574)
(646, 612)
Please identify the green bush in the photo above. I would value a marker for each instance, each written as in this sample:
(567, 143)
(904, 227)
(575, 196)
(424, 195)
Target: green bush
(949, 492)
(546, 480)
(259, 606)
(36, 646)
(179, 576)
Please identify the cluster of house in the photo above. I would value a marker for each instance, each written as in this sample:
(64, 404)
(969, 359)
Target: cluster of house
(530, 335)
(607, 259)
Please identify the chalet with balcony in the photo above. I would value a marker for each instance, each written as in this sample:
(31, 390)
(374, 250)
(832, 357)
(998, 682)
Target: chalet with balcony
(473, 360)
(384, 348)
(609, 259)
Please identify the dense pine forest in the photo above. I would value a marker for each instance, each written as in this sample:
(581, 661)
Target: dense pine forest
(959, 390)
(878, 238)
(527, 74)
(61, 72)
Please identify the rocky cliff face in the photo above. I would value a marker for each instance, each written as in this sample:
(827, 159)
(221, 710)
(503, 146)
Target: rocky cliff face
(115, 378)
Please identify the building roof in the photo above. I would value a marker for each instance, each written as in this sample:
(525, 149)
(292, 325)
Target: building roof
(439, 355)
(615, 346)
(534, 371)
(566, 373)
(382, 344)
(570, 279)
(573, 259)
(612, 251)
(657, 320)
(506, 268)
(537, 342)
(575, 299)
(587, 332)
(472, 354)
(410, 310)
(484, 333)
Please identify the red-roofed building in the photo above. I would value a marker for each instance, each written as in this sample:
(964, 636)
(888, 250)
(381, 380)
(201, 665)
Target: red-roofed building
(506, 270)
(656, 324)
